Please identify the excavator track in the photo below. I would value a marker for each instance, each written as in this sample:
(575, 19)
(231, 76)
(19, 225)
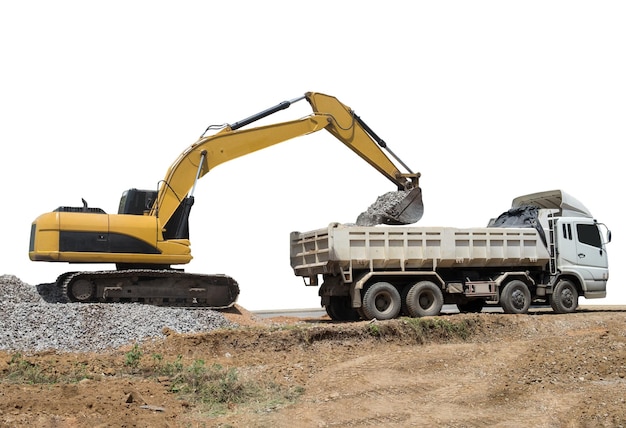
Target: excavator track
(150, 286)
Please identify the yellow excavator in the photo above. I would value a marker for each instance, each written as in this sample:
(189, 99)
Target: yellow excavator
(150, 232)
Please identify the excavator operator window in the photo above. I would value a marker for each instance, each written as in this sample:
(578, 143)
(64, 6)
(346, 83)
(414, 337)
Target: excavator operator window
(136, 202)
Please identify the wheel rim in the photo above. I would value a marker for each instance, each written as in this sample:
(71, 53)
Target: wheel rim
(382, 302)
(518, 300)
(426, 300)
(567, 298)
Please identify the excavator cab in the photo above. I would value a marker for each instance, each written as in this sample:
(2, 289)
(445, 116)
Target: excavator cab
(140, 202)
(137, 202)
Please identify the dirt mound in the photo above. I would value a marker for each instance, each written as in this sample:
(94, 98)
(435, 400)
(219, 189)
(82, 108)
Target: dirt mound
(240, 316)
(488, 369)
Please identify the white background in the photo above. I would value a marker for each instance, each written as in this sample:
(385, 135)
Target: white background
(489, 100)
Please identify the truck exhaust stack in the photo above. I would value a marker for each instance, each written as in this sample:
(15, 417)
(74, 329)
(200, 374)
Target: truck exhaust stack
(394, 208)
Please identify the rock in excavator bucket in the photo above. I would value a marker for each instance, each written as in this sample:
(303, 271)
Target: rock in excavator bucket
(396, 208)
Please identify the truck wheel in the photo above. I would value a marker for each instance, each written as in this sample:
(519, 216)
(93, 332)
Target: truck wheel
(564, 297)
(340, 309)
(381, 301)
(424, 299)
(515, 297)
(471, 306)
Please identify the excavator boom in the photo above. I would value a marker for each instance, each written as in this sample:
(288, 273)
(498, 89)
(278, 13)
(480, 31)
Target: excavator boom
(232, 142)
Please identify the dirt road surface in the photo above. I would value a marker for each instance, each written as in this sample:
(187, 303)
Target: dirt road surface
(461, 370)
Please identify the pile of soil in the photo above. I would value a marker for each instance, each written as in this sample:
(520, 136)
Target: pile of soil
(461, 370)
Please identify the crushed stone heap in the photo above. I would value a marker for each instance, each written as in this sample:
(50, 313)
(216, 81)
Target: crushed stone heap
(30, 324)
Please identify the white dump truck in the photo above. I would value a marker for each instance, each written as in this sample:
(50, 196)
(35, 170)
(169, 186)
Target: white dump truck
(546, 250)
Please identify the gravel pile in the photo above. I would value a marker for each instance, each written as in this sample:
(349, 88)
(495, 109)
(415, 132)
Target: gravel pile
(30, 323)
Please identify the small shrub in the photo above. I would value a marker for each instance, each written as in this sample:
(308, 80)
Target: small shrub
(374, 329)
(133, 357)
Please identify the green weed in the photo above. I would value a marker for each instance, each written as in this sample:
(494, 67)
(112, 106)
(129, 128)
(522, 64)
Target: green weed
(20, 370)
(218, 388)
(374, 329)
(133, 357)
(439, 328)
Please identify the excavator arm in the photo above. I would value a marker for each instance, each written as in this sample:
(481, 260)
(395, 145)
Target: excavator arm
(232, 142)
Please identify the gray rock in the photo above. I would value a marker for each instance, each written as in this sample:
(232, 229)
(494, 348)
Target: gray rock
(29, 323)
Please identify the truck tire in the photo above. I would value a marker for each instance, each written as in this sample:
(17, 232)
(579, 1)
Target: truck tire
(424, 299)
(564, 297)
(515, 297)
(339, 309)
(471, 306)
(381, 301)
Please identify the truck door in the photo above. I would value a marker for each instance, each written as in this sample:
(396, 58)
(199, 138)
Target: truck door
(581, 250)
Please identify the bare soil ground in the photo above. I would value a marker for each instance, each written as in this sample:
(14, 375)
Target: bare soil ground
(463, 370)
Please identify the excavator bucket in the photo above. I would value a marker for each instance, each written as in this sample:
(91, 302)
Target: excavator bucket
(394, 208)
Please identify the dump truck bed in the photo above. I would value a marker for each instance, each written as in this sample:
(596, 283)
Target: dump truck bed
(340, 248)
